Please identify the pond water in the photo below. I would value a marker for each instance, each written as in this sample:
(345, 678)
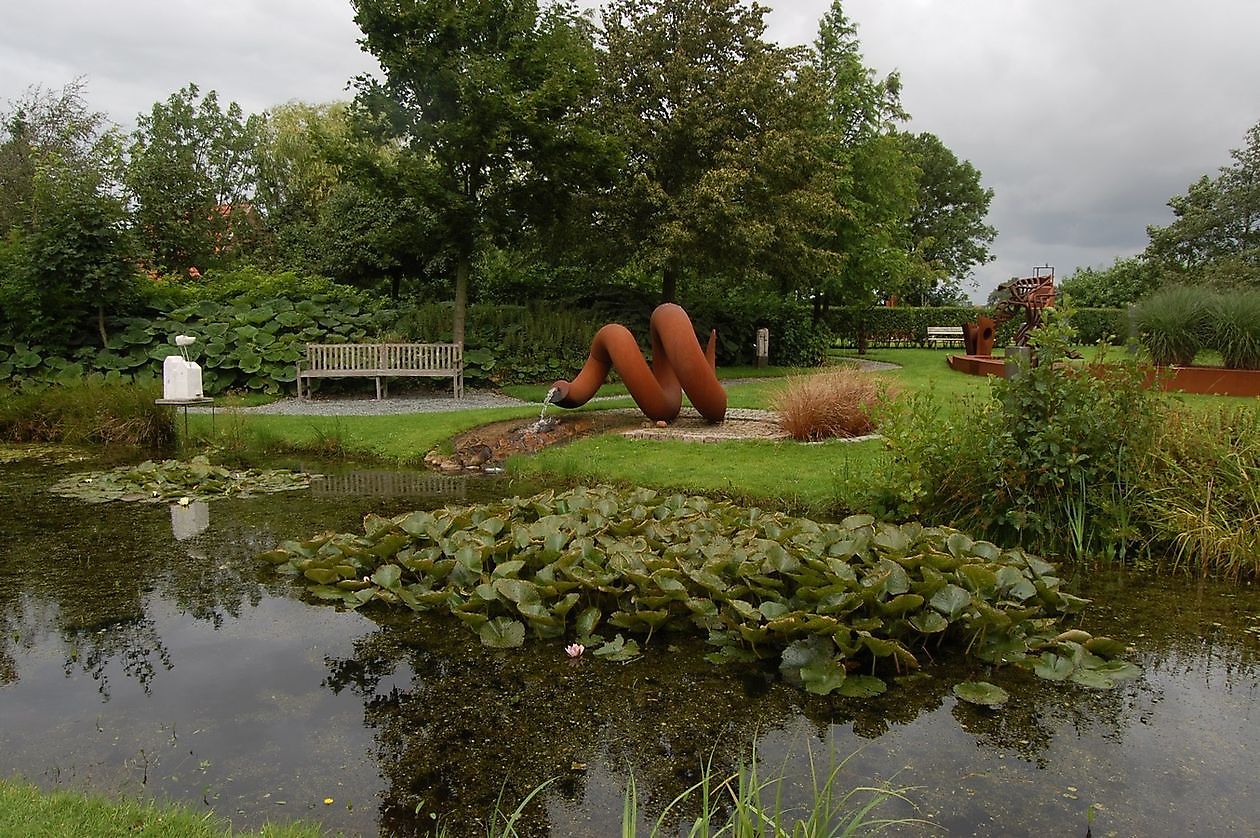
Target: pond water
(144, 651)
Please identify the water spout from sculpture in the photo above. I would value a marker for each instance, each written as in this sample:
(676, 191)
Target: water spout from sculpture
(679, 365)
(544, 423)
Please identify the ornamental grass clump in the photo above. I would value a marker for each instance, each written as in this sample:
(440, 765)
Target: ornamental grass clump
(837, 403)
(1236, 328)
(1174, 324)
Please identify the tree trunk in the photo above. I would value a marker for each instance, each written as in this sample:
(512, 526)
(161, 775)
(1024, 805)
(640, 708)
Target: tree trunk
(100, 324)
(462, 268)
(669, 284)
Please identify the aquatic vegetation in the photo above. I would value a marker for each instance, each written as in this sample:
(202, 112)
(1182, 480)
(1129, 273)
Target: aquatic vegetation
(168, 481)
(49, 453)
(833, 603)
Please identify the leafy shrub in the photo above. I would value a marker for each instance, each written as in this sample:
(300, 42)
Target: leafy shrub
(1235, 329)
(508, 344)
(1049, 461)
(795, 339)
(89, 412)
(837, 403)
(1173, 323)
(248, 343)
(1100, 325)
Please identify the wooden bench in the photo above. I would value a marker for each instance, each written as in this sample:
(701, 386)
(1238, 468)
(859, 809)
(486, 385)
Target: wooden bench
(382, 361)
(950, 335)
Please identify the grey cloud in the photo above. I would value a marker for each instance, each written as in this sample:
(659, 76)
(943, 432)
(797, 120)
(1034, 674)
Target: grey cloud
(1084, 116)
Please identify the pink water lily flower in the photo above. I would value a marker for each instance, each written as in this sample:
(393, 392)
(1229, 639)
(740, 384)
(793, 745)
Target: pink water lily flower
(574, 650)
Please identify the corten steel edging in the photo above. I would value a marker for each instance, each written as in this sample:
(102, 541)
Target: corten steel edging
(1207, 381)
(678, 365)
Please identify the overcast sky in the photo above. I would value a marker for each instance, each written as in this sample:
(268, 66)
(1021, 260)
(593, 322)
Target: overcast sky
(1084, 116)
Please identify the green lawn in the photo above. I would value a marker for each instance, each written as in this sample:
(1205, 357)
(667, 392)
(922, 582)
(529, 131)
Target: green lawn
(814, 478)
(26, 811)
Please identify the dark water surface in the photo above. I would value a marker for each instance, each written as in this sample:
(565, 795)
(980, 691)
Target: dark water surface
(144, 651)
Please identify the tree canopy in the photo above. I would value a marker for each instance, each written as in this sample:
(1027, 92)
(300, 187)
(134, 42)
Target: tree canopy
(1215, 233)
(490, 100)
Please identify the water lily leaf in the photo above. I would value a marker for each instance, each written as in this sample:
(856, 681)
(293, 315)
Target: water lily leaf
(508, 569)
(745, 610)
(862, 686)
(929, 622)
(959, 545)
(494, 526)
(1053, 667)
(812, 664)
(897, 606)
(388, 576)
(1105, 647)
(892, 539)
(771, 610)
(502, 633)
(977, 578)
(519, 591)
(986, 550)
(618, 649)
(730, 654)
(321, 575)
(587, 620)
(951, 601)
(823, 677)
(415, 524)
(982, 693)
(854, 522)
(1094, 679)
(1120, 670)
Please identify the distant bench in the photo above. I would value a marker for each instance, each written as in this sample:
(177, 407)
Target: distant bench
(382, 361)
(950, 335)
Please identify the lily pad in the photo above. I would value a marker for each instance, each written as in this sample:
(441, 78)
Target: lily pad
(981, 693)
(502, 633)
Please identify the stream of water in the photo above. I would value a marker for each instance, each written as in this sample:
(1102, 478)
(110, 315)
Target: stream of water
(144, 651)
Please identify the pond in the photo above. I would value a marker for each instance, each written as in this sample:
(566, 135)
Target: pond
(145, 651)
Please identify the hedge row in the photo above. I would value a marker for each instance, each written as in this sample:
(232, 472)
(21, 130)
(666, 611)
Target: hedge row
(907, 326)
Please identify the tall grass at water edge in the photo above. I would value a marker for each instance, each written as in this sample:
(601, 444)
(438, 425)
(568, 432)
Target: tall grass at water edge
(88, 413)
(745, 804)
(1200, 498)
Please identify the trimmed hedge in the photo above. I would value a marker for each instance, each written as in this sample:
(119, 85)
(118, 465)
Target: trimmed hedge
(907, 326)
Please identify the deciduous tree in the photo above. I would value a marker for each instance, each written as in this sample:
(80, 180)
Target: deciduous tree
(68, 258)
(193, 174)
(948, 232)
(875, 181)
(490, 100)
(722, 176)
(1215, 234)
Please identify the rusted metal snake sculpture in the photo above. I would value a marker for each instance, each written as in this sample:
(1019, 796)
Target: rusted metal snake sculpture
(678, 365)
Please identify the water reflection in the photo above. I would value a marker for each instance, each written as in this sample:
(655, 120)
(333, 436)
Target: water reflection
(145, 650)
(189, 519)
(447, 714)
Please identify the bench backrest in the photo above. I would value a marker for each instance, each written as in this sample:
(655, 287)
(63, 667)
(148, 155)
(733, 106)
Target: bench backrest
(383, 356)
(944, 330)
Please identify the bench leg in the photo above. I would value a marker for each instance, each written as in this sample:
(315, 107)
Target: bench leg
(378, 388)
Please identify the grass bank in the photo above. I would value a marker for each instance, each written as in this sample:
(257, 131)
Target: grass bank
(27, 811)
